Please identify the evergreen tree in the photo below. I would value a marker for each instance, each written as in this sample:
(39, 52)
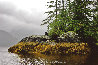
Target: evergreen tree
(79, 16)
(83, 20)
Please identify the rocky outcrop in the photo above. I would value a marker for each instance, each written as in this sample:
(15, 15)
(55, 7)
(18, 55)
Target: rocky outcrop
(69, 37)
(36, 38)
(66, 37)
(45, 45)
(47, 49)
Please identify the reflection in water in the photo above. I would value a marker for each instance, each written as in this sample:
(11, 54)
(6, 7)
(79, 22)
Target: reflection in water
(92, 58)
(40, 59)
(53, 60)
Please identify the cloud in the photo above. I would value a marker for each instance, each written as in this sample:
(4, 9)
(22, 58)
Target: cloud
(19, 22)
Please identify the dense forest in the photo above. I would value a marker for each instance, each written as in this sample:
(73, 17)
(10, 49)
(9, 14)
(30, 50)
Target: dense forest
(78, 16)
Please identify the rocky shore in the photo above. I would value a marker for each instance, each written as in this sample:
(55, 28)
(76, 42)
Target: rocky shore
(44, 45)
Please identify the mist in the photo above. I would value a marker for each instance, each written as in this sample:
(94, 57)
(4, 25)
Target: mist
(20, 23)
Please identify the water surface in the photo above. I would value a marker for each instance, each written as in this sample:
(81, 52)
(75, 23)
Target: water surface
(7, 58)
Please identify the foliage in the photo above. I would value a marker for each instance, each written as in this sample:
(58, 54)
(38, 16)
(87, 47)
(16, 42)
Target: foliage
(75, 16)
(53, 16)
(85, 26)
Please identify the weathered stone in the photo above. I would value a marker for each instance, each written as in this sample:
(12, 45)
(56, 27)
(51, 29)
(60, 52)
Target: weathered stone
(66, 37)
(35, 38)
(69, 37)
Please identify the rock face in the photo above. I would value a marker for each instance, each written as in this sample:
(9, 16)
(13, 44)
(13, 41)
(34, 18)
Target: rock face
(35, 38)
(69, 37)
(40, 44)
(66, 37)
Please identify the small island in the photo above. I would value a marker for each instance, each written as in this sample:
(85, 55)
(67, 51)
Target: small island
(43, 44)
(72, 29)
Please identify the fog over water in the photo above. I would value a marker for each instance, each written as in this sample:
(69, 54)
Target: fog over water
(21, 18)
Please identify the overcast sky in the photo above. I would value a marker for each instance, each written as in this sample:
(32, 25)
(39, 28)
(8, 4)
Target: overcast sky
(22, 17)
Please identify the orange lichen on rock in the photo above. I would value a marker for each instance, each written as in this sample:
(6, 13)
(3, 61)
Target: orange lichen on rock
(45, 48)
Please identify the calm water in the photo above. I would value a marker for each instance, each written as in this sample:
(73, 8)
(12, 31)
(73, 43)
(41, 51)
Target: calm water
(13, 59)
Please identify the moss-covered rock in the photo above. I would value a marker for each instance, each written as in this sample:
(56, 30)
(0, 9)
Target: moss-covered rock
(45, 48)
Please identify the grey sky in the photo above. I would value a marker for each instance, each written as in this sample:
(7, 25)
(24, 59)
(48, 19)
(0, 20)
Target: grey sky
(21, 22)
